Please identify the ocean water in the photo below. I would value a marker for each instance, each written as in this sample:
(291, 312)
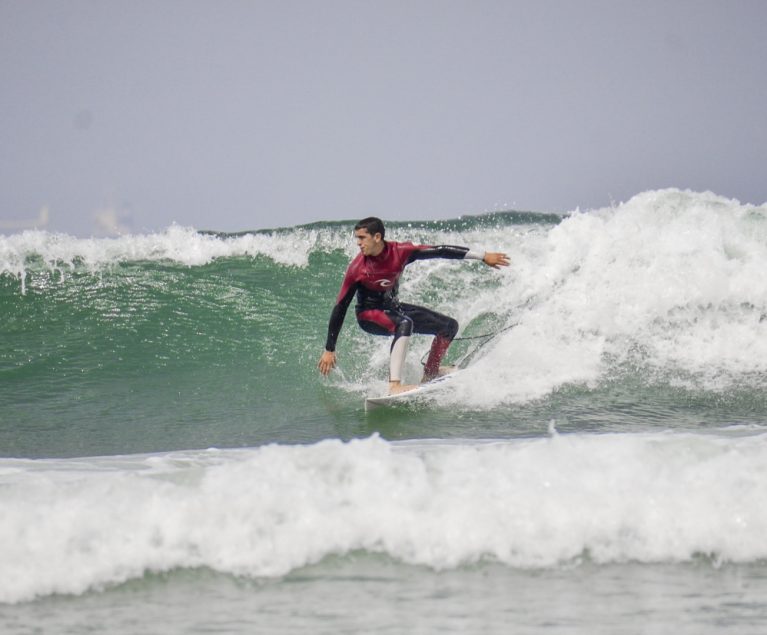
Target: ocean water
(172, 462)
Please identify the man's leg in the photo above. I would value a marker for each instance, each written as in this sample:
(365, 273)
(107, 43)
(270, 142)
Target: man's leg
(444, 329)
(378, 322)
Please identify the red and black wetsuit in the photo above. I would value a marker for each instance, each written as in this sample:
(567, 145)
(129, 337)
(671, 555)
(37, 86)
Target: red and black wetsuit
(375, 280)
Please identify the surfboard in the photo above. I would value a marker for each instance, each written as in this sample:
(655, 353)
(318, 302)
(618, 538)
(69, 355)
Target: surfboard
(410, 396)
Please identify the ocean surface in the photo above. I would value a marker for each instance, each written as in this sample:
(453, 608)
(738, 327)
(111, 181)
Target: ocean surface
(171, 461)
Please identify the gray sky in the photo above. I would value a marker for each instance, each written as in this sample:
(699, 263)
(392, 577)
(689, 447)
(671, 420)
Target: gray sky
(235, 114)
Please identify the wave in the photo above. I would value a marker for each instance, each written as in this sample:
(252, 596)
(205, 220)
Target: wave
(70, 526)
(666, 289)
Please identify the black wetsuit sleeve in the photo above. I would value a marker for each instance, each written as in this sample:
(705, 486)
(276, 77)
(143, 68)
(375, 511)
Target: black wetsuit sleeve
(337, 318)
(440, 251)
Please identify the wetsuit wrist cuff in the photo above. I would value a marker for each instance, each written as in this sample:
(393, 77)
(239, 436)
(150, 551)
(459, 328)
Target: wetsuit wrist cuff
(475, 255)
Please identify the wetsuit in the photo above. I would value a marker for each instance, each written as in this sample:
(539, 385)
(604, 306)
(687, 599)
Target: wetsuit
(375, 280)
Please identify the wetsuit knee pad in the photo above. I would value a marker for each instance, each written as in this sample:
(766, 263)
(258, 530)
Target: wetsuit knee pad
(451, 328)
(405, 328)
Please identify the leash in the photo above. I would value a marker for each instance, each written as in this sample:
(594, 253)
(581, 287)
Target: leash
(486, 336)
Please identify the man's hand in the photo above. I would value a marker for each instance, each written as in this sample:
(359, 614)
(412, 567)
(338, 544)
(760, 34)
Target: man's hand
(495, 260)
(327, 362)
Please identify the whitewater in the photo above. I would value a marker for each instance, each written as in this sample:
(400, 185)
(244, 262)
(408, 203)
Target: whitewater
(74, 525)
(600, 462)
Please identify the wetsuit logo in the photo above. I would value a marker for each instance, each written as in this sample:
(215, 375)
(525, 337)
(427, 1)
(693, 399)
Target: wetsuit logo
(384, 282)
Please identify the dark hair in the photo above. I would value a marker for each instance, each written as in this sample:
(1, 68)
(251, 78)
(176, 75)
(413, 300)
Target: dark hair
(372, 226)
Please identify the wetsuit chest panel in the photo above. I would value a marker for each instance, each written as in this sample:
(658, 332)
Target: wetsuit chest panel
(377, 277)
(380, 274)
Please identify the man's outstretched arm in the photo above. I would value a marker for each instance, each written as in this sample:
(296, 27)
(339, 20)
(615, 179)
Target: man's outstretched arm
(454, 252)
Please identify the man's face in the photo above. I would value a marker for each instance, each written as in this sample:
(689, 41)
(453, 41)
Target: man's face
(369, 245)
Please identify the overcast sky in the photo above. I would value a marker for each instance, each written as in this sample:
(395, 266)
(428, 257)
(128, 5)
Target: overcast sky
(246, 114)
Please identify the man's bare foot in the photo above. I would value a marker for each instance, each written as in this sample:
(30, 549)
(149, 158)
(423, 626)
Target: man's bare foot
(396, 387)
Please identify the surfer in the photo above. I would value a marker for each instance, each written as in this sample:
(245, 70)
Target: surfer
(374, 276)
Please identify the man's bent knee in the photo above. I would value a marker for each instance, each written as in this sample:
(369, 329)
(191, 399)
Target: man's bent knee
(451, 329)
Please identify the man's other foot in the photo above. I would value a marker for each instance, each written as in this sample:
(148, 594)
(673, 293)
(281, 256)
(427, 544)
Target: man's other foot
(443, 370)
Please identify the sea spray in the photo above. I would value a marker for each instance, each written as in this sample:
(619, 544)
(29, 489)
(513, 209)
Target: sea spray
(670, 285)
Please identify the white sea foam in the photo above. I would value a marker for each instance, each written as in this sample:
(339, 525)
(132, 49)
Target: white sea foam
(670, 282)
(177, 244)
(71, 526)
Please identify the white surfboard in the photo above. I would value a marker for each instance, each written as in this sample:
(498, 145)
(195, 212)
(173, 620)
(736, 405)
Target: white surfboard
(409, 396)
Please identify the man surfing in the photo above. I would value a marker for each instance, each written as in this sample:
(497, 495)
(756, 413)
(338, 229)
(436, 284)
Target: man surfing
(374, 276)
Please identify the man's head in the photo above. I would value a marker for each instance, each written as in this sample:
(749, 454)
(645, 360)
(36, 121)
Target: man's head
(369, 233)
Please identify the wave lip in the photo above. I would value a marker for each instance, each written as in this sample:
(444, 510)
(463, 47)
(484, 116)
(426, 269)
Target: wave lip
(182, 245)
(71, 526)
